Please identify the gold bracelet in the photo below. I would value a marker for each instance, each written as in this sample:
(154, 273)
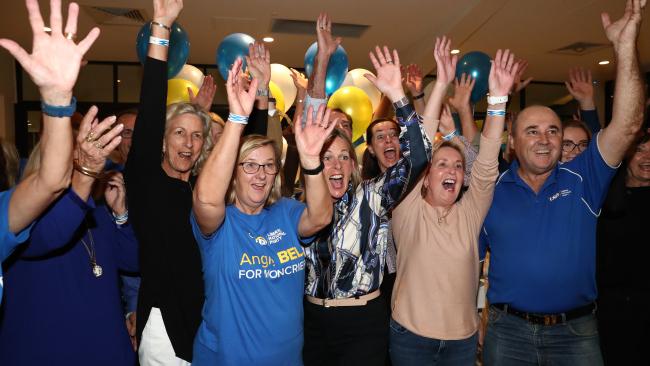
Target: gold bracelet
(85, 171)
(153, 22)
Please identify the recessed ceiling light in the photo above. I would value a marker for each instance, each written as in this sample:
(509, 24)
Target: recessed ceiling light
(604, 62)
(268, 39)
(455, 52)
(119, 81)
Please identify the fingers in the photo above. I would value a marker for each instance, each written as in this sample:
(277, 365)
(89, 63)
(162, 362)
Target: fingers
(35, 18)
(380, 56)
(568, 87)
(374, 61)
(85, 44)
(372, 78)
(604, 18)
(18, 53)
(191, 93)
(56, 21)
(71, 23)
(103, 126)
(86, 124)
(319, 116)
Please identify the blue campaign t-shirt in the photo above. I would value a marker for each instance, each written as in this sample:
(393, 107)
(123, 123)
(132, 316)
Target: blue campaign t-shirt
(253, 268)
(8, 240)
(543, 246)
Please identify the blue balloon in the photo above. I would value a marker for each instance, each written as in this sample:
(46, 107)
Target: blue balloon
(179, 48)
(337, 68)
(477, 65)
(233, 46)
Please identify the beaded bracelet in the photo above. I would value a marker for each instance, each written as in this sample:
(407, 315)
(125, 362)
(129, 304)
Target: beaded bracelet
(121, 219)
(236, 118)
(159, 41)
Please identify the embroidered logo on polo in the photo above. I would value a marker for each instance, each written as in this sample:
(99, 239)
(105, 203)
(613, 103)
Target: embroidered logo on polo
(562, 193)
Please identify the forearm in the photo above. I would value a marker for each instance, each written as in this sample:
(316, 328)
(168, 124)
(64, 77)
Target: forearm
(214, 180)
(316, 84)
(493, 125)
(419, 106)
(82, 185)
(468, 126)
(56, 155)
(318, 213)
(431, 114)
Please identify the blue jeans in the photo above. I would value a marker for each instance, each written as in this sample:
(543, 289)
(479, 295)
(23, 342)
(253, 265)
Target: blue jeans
(510, 340)
(407, 348)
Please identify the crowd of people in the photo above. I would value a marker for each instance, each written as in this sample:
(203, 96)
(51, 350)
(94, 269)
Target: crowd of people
(193, 228)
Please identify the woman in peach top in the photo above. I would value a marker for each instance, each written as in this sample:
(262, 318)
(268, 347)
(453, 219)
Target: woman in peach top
(434, 319)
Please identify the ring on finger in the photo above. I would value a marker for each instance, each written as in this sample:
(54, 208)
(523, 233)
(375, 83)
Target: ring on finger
(71, 36)
(98, 145)
(90, 137)
(389, 62)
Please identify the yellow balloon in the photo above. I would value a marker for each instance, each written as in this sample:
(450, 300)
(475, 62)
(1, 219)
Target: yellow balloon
(276, 92)
(356, 104)
(177, 91)
(356, 78)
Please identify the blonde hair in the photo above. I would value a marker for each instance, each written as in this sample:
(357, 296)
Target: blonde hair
(355, 175)
(34, 161)
(177, 109)
(249, 144)
(12, 162)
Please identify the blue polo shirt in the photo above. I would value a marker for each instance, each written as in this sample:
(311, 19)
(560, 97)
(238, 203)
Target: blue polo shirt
(543, 246)
(8, 240)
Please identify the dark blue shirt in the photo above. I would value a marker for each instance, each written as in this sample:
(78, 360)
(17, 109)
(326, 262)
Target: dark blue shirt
(543, 246)
(56, 312)
(8, 240)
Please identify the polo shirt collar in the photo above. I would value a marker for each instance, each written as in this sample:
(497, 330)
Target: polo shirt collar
(512, 176)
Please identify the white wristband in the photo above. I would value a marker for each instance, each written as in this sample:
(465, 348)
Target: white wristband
(496, 100)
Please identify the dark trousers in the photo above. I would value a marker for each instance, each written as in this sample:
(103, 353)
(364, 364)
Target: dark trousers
(350, 335)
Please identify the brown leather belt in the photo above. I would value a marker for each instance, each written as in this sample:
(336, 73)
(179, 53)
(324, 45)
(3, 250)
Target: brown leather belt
(353, 301)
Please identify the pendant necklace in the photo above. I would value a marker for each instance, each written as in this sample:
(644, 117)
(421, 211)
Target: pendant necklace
(96, 268)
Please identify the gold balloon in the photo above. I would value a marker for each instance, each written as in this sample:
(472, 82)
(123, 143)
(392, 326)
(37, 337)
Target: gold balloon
(356, 104)
(276, 93)
(177, 91)
(359, 150)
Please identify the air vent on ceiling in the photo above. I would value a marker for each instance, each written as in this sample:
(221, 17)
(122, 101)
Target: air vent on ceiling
(291, 26)
(579, 48)
(116, 16)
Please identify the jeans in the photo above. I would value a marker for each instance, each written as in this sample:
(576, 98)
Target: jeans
(407, 348)
(510, 340)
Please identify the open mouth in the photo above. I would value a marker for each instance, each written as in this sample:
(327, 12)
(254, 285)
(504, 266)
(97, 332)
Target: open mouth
(336, 181)
(390, 153)
(543, 152)
(449, 184)
(259, 186)
(185, 155)
(645, 167)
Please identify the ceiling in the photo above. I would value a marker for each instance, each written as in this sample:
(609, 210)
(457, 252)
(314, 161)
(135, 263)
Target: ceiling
(532, 28)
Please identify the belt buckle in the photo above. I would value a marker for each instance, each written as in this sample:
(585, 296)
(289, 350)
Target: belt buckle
(550, 319)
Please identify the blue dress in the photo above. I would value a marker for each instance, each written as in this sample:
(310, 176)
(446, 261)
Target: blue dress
(56, 311)
(8, 240)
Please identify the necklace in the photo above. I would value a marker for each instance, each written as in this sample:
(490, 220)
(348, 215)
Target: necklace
(96, 268)
(443, 217)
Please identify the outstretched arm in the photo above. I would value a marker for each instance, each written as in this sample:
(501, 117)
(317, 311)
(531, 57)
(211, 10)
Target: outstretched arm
(445, 68)
(209, 202)
(629, 95)
(460, 102)
(326, 47)
(582, 89)
(54, 66)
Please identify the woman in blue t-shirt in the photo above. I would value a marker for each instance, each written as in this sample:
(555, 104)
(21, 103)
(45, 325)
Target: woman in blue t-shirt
(250, 237)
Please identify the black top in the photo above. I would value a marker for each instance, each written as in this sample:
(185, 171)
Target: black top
(622, 237)
(159, 210)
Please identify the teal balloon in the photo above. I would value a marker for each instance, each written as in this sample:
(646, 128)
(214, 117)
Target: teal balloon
(232, 47)
(477, 65)
(337, 68)
(179, 48)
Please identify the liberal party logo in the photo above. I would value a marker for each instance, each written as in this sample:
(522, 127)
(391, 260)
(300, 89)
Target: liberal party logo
(273, 237)
(261, 240)
(562, 193)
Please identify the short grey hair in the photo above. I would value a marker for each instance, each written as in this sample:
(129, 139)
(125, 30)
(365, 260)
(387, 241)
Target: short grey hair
(177, 109)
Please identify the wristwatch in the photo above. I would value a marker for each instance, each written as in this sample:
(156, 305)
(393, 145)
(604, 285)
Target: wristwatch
(262, 92)
(401, 103)
(497, 100)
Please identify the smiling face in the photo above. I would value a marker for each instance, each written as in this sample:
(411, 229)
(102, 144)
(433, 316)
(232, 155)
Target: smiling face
(253, 189)
(339, 166)
(445, 177)
(384, 145)
(574, 141)
(638, 168)
(182, 145)
(537, 140)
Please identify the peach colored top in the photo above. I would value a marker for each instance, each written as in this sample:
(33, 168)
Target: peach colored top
(437, 255)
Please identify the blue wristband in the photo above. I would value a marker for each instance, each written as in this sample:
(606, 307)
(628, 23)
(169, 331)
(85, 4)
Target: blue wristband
(496, 112)
(450, 136)
(236, 118)
(59, 111)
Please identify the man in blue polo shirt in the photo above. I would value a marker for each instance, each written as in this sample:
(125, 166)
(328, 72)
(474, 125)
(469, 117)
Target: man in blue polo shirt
(542, 224)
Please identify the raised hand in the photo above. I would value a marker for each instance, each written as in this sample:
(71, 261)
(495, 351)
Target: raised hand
(115, 193)
(326, 43)
(581, 87)
(299, 80)
(446, 121)
(389, 77)
(520, 82)
(259, 63)
(624, 31)
(462, 92)
(445, 61)
(240, 100)
(205, 96)
(55, 60)
(166, 11)
(311, 137)
(502, 73)
(96, 140)
(413, 79)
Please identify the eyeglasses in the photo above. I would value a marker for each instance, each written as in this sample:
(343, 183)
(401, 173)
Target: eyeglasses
(569, 146)
(390, 135)
(127, 133)
(252, 168)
